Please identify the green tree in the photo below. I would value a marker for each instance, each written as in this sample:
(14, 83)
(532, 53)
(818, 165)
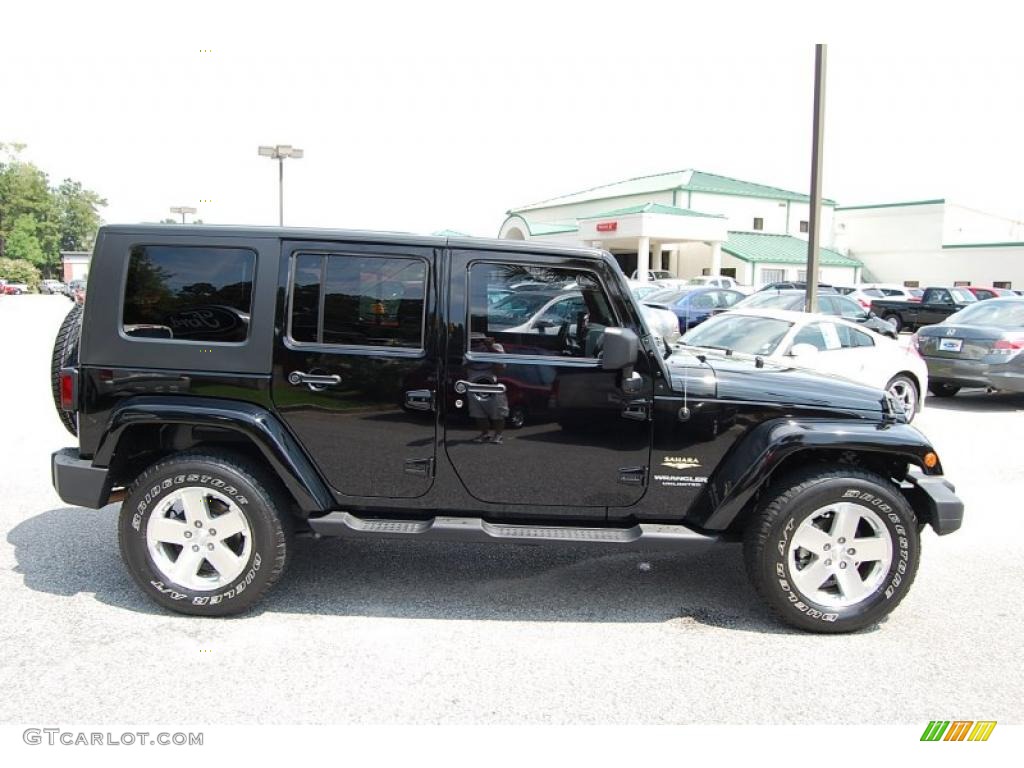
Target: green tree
(79, 215)
(19, 271)
(22, 243)
(65, 217)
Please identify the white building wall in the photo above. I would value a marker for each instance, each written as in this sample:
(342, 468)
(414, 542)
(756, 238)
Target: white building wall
(966, 225)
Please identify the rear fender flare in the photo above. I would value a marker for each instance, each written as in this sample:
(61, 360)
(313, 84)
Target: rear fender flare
(258, 425)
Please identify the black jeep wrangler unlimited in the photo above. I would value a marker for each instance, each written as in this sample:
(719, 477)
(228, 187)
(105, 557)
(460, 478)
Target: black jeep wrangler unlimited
(235, 386)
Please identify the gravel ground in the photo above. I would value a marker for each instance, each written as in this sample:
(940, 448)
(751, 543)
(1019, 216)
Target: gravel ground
(377, 631)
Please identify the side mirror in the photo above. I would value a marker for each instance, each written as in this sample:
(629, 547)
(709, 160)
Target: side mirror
(803, 350)
(620, 347)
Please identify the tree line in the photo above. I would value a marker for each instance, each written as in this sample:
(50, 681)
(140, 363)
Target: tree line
(38, 220)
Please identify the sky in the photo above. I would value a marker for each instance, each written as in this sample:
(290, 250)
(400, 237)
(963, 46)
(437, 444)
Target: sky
(426, 116)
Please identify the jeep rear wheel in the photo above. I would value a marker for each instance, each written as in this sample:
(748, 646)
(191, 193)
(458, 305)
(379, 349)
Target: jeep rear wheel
(205, 534)
(832, 550)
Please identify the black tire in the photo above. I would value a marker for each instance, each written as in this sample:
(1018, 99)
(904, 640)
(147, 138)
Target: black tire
(896, 321)
(65, 354)
(256, 494)
(769, 537)
(939, 389)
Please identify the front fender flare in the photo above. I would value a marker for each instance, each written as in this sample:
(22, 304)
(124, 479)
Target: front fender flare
(751, 462)
(264, 430)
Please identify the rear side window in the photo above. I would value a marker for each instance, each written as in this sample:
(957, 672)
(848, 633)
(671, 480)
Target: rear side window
(189, 293)
(371, 301)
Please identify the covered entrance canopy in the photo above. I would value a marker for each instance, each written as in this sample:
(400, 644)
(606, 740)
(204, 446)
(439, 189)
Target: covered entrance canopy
(649, 229)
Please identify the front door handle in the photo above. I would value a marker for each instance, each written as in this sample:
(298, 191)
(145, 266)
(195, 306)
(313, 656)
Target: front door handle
(315, 381)
(462, 387)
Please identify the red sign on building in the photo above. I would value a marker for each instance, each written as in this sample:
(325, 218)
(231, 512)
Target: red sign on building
(607, 226)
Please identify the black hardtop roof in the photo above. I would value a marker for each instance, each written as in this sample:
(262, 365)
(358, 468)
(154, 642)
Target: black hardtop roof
(357, 235)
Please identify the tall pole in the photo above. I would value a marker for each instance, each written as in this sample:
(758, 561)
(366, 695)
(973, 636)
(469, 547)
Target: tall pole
(817, 147)
(280, 190)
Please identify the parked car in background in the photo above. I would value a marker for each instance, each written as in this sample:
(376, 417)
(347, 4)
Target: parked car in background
(693, 306)
(981, 293)
(935, 305)
(720, 281)
(835, 305)
(662, 322)
(653, 274)
(51, 287)
(641, 290)
(822, 344)
(979, 346)
(788, 285)
(863, 296)
(893, 291)
(15, 289)
(76, 291)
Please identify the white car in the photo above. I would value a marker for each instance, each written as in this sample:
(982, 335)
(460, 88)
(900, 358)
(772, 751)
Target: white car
(893, 291)
(708, 281)
(820, 343)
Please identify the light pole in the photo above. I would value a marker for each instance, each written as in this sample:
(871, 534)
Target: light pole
(817, 154)
(279, 152)
(182, 209)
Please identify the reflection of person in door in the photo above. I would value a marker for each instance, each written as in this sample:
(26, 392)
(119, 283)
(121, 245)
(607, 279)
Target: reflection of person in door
(487, 409)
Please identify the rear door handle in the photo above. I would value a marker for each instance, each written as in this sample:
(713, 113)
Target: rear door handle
(462, 387)
(315, 381)
(419, 400)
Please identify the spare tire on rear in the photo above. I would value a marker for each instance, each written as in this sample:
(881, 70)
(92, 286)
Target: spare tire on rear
(65, 355)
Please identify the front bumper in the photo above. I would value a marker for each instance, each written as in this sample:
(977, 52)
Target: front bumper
(1007, 376)
(77, 481)
(934, 501)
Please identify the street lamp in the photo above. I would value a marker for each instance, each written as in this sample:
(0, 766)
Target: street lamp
(182, 209)
(279, 152)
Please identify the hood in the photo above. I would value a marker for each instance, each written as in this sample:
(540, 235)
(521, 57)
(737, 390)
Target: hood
(738, 378)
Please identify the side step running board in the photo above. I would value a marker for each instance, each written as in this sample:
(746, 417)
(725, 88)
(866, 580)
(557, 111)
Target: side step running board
(347, 525)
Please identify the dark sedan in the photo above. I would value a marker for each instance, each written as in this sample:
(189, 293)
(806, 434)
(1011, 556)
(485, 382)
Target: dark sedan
(979, 346)
(693, 305)
(833, 304)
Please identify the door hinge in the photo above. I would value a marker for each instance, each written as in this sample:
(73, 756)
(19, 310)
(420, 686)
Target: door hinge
(420, 467)
(633, 475)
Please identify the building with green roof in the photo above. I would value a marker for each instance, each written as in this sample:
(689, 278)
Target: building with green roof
(689, 223)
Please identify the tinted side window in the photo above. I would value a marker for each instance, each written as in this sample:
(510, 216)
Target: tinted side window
(358, 300)
(189, 293)
(542, 311)
(851, 337)
(849, 308)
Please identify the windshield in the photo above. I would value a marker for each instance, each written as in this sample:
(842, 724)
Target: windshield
(963, 296)
(772, 300)
(1009, 314)
(665, 296)
(697, 281)
(739, 333)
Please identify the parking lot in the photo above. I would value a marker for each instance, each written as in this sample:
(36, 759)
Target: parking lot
(385, 631)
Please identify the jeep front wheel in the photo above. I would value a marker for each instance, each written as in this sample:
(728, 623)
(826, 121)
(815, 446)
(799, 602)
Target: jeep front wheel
(832, 550)
(204, 534)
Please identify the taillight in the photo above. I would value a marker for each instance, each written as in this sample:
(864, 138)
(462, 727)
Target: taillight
(865, 304)
(915, 344)
(1008, 347)
(67, 390)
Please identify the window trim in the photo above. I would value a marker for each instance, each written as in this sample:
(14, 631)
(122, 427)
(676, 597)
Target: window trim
(579, 362)
(123, 291)
(329, 348)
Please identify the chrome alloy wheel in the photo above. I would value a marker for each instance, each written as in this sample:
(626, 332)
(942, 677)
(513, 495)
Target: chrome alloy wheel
(840, 555)
(199, 539)
(905, 394)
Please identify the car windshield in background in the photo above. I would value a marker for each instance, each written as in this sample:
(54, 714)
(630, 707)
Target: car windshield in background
(516, 307)
(739, 333)
(771, 300)
(666, 297)
(963, 296)
(643, 291)
(1008, 314)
